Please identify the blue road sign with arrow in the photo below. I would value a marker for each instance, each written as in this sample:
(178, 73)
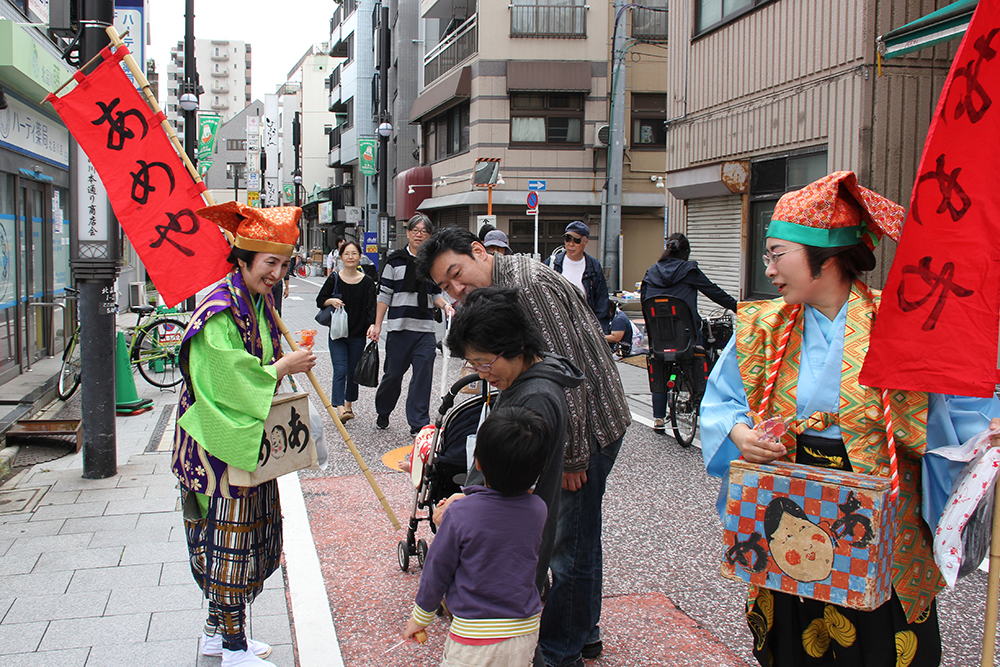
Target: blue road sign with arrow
(536, 185)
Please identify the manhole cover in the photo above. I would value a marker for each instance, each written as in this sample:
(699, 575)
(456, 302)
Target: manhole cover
(46, 449)
(19, 500)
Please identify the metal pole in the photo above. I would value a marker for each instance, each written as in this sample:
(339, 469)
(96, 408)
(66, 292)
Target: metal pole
(385, 54)
(190, 117)
(616, 149)
(98, 304)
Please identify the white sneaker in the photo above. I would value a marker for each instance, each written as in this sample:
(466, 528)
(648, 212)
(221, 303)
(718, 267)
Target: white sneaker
(243, 659)
(212, 645)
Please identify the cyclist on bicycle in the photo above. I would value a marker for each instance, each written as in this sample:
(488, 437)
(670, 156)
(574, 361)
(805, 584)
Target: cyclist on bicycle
(674, 275)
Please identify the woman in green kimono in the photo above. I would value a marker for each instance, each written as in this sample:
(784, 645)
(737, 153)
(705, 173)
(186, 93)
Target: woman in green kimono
(232, 362)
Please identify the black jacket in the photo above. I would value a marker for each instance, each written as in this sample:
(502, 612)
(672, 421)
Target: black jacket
(595, 288)
(683, 279)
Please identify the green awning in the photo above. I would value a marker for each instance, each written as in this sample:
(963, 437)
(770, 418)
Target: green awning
(940, 26)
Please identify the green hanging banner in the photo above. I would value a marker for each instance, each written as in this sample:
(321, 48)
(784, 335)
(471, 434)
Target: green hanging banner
(208, 130)
(366, 151)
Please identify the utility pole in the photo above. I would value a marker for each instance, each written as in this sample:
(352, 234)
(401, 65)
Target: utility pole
(616, 150)
(190, 114)
(385, 53)
(95, 277)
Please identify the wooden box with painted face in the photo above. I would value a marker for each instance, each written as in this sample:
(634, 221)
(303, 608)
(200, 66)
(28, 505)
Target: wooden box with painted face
(286, 445)
(812, 532)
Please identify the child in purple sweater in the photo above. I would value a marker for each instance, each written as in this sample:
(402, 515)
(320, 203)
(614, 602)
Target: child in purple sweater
(484, 556)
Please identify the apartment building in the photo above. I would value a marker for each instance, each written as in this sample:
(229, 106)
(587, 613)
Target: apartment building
(765, 96)
(529, 83)
(224, 73)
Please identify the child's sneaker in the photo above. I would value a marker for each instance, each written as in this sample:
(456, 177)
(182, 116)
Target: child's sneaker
(212, 645)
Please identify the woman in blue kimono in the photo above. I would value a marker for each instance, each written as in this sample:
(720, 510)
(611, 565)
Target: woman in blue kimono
(798, 359)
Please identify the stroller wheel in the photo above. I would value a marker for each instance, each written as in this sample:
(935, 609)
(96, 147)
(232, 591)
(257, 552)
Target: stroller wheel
(403, 552)
(421, 551)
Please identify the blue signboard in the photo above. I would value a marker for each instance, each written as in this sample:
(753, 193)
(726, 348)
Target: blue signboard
(371, 247)
(536, 185)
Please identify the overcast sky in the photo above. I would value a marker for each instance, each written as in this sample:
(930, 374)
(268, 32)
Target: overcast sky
(278, 32)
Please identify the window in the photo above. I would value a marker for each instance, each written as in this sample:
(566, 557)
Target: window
(447, 134)
(546, 118)
(236, 170)
(350, 49)
(769, 179)
(236, 144)
(649, 110)
(712, 13)
(548, 18)
(649, 22)
(349, 122)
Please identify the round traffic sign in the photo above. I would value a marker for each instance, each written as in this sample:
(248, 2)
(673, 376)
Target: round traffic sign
(532, 199)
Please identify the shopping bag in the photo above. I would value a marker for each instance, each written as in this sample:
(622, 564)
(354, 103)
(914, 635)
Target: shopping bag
(338, 324)
(323, 317)
(366, 372)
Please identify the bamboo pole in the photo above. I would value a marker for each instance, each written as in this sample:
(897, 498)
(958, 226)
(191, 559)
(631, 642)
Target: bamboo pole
(993, 585)
(144, 83)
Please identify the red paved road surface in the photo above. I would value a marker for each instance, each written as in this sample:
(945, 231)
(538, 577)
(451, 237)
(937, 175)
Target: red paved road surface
(371, 598)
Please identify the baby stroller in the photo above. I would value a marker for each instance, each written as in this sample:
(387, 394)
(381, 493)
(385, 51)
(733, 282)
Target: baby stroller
(434, 474)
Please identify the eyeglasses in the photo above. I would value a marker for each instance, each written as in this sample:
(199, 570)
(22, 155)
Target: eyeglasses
(484, 368)
(420, 230)
(569, 238)
(772, 257)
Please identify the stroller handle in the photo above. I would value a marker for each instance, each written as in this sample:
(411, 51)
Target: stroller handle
(448, 400)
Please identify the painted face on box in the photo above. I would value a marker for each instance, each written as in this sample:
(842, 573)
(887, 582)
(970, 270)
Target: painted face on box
(279, 442)
(800, 548)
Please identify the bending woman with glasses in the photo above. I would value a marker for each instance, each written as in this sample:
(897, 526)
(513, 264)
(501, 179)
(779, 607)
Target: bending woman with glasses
(673, 275)
(498, 340)
(798, 359)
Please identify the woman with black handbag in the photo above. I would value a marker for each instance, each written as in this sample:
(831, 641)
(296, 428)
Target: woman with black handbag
(350, 289)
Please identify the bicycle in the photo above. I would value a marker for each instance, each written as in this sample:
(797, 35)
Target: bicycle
(69, 371)
(154, 349)
(679, 368)
(156, 345)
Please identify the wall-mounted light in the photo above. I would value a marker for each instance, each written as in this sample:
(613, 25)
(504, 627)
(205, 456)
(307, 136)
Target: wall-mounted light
(658, 180)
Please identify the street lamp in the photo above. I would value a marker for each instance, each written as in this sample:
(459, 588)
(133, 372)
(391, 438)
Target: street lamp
(189, 101)
(385, 130)
(297, 179)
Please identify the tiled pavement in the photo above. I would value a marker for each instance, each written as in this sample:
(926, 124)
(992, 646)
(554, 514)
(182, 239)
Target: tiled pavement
(96, 573)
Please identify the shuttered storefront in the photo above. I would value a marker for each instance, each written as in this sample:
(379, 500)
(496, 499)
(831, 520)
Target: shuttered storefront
(713, 228)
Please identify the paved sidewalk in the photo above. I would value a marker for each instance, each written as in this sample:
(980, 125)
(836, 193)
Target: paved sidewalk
(95, 572)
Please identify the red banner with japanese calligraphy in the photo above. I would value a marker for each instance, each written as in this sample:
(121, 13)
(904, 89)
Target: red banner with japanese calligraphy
(150, 189)
(937, 327)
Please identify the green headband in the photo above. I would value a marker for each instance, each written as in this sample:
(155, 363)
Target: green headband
(818, 236)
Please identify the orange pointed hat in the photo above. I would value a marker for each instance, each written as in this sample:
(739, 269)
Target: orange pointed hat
(835, 211)
(274, 230)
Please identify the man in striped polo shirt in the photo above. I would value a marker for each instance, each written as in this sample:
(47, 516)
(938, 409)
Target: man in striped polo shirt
(406, 305)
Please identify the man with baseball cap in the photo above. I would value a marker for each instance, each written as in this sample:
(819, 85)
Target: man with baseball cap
(584, 271)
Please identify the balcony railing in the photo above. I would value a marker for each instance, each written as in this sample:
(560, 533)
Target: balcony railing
(220, 89)
(649, 24)
(459, 45)
(548, 21)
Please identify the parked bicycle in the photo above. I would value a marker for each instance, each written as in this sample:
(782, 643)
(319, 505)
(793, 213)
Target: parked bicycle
(69, 372)
(154, 349)
(677, 365)
(156, 345)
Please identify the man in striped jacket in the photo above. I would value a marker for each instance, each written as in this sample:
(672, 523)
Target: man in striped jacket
(406, 305)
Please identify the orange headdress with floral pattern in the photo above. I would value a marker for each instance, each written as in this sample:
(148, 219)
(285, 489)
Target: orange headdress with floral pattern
(274, 230)
(835, 211)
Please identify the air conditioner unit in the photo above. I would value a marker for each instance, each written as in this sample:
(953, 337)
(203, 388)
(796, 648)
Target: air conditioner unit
(137, 294)
(602, 137)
